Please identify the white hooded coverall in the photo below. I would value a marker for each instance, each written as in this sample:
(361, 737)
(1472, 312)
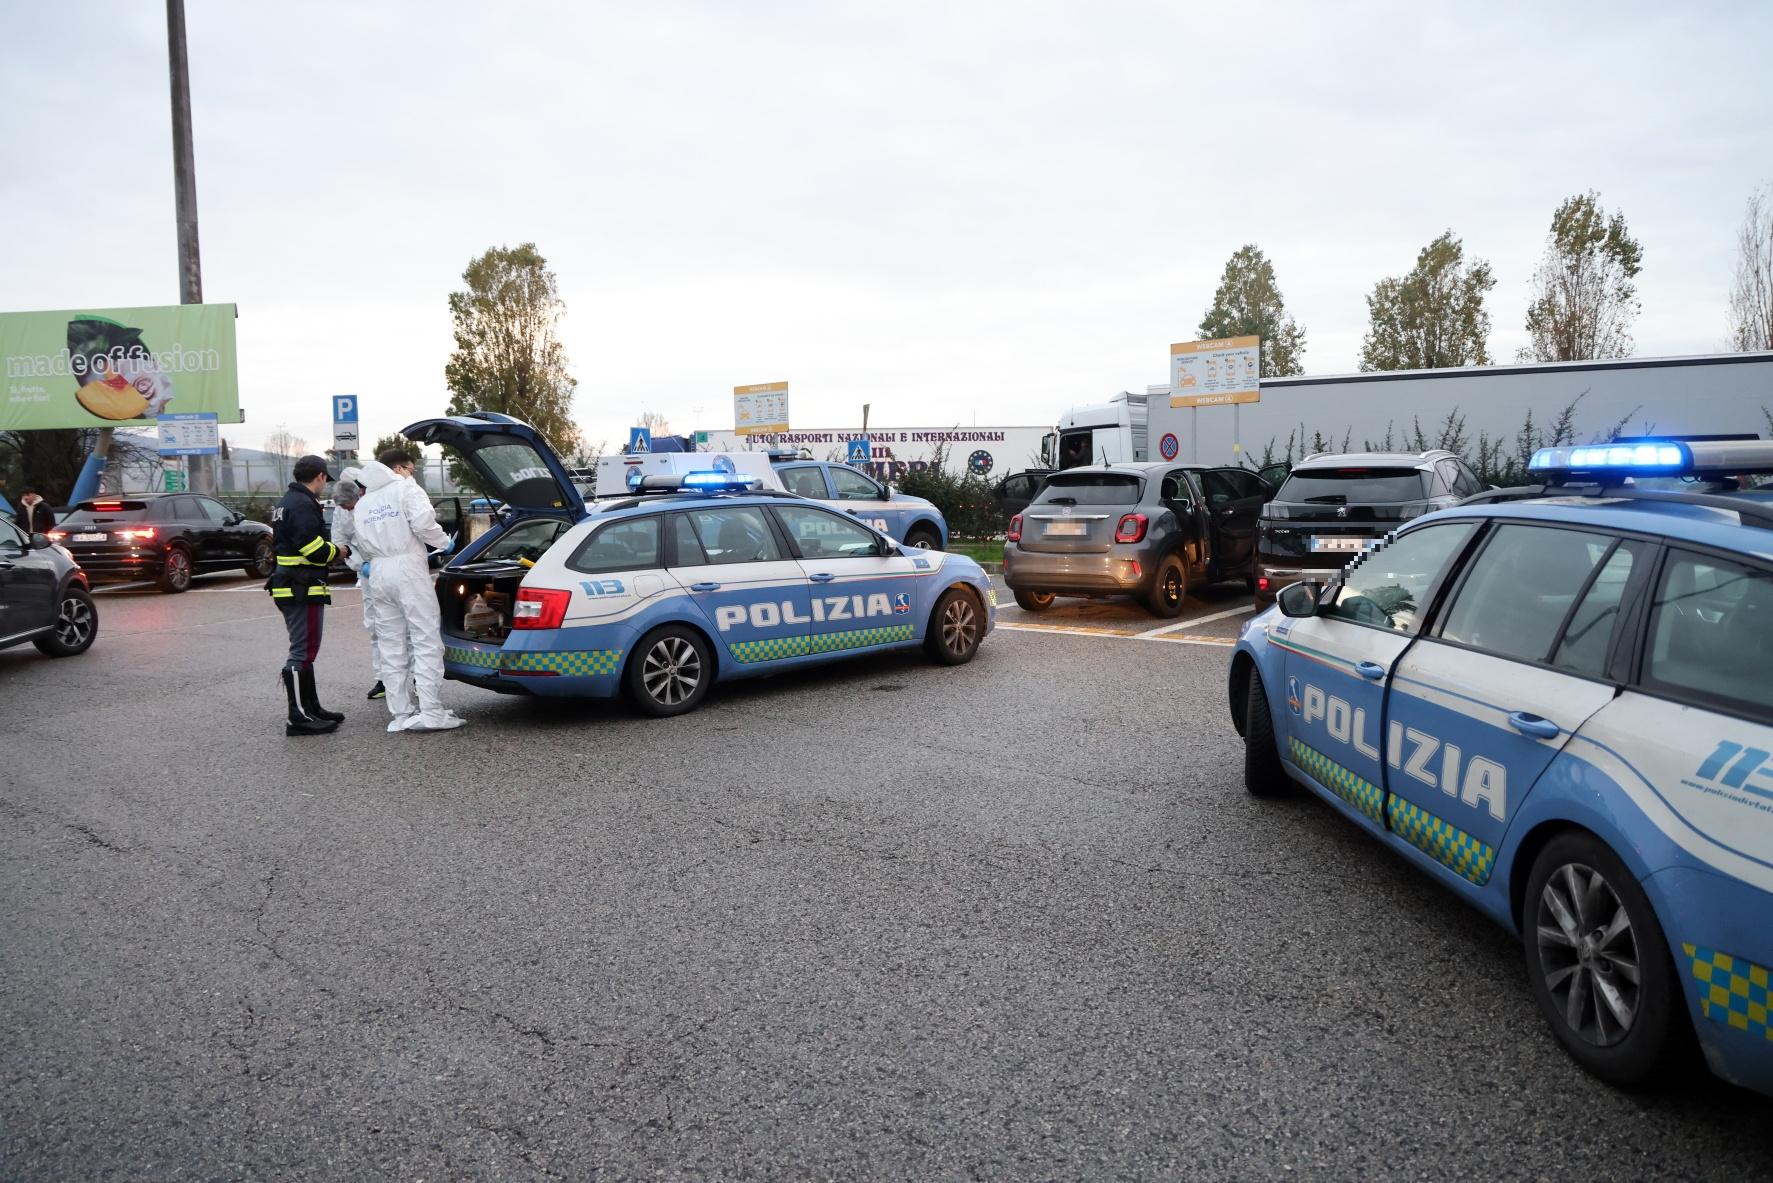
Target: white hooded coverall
(344, 533)
(395, 524)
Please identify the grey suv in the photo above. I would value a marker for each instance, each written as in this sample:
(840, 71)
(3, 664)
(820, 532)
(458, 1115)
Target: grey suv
(1144, 530)
(43, 596)
(1333, 506)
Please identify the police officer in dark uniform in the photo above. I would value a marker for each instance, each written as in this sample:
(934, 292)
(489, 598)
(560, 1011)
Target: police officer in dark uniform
(300, 590)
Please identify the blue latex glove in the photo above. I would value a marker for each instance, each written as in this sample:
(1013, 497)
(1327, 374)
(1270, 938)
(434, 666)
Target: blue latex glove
(448, 548)
(363, 571)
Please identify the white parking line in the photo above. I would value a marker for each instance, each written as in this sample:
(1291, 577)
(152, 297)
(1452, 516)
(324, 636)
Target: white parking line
(1192, 621)
(1077, 630)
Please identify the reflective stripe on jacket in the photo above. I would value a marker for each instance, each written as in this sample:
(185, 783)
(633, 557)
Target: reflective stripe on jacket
(298, 535)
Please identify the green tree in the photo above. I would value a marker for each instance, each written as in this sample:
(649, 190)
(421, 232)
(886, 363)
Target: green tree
(1584, 300)
(1248, 304)
(507, 356)
(1432, 317)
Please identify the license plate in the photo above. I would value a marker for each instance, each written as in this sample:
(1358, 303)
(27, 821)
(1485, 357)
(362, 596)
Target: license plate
(1320, 543)
(1072, 529)
(89, 538)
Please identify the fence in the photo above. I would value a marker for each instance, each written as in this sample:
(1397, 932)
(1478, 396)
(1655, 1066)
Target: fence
(250, 478)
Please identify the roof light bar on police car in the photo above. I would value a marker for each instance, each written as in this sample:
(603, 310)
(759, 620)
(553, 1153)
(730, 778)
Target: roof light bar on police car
(713, 479)
(1655, 457)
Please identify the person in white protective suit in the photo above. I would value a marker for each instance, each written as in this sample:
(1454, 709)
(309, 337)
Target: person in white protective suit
(346, 490)
(395, 524)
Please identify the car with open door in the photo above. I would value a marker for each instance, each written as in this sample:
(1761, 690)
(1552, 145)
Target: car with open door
(1555, 702)
(1148, 531)
(44, 597)
(693, 579)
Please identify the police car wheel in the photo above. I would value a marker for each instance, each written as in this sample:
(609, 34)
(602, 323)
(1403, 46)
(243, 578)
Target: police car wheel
(956, 627)
(669, 671)
(1169, 588)
(1033, 601)
(1263, 774)
(923, 538)
(1599, 963)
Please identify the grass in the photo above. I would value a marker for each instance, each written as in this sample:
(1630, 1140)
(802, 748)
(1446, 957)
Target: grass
(981, 550)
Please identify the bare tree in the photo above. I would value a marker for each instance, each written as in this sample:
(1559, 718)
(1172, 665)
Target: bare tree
(1751, 299)
(655, 422)
(285, 448)
(1584, 300)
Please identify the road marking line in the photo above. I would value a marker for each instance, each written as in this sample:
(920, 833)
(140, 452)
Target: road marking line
(1192, 621)
(1082, 631)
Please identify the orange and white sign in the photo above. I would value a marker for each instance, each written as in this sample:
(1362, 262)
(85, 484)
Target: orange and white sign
(761, 408)
(1216, 373)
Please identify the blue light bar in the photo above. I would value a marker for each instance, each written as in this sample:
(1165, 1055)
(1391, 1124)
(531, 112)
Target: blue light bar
(711, 479)
(635, 476)
(1657, 457)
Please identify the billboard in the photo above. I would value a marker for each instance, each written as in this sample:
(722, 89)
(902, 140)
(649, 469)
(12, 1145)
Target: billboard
(1214, 373)
(114, 367)
(988, 452)
(762, 407)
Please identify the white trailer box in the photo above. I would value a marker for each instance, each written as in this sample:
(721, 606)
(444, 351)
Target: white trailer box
(612, 471)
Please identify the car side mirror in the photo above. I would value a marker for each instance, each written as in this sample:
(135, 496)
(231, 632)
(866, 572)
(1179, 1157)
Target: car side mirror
(1298, 600)
(40, 542)
(889, 548)
(236, 519)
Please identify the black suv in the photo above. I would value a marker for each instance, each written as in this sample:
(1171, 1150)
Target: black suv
(168, 537)
(1333, 506)
(43, 596)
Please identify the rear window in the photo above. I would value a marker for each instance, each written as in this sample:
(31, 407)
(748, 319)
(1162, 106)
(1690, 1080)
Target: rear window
(1352, 486)
(1091, 488)
(105, 511)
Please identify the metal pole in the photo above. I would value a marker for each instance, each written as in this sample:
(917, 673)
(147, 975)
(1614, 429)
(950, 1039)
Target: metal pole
(184, 180)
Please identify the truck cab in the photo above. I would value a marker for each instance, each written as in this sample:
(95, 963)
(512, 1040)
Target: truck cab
(1113, 432)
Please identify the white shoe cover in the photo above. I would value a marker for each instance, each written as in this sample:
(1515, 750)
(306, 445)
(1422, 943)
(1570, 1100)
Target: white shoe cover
(402, 722)
(435, 721)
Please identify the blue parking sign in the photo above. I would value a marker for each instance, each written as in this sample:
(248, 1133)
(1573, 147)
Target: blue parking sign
(859, 452)
(640, 439)
(344, 408)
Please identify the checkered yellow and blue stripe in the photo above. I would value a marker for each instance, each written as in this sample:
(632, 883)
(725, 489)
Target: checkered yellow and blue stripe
(1732, 991)
(1363, 794)
(777, 648)
(568, 663)
(1447, 844)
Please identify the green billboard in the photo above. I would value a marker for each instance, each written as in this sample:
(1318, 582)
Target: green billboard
(106, 367)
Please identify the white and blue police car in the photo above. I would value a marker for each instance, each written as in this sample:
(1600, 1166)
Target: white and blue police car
(913, 521)
(1558, 702)
(695, 578)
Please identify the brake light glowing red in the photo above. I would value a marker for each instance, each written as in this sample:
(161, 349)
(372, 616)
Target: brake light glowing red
(108, 506)
(539, 607)
(57, 535)
(1131, 528)
(1261, 583)
(1014, 533)
(144, 534)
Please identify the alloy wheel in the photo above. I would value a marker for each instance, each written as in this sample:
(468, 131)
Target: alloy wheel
(73, 623)
(960, 625)
(672, 671)
(1588, 953)
(178, 568)
(1172, 587)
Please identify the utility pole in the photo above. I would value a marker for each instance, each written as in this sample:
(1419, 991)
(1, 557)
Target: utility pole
(184, 182)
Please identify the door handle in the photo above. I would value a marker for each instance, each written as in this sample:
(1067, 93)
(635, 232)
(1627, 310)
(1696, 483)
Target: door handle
(823, 577)
(704, 587)
(1370, 669)
(1533, 725)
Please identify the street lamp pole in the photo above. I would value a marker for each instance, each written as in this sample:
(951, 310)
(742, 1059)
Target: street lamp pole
(184, 180)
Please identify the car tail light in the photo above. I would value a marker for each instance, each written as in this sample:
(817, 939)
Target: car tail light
(1261, 583)
(539, 607)
(58, 535)
(144, 534)
(108, 506)
(1014, 533)
(1131, 528)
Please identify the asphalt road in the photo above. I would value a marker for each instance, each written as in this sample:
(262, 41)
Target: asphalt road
(1017, 919)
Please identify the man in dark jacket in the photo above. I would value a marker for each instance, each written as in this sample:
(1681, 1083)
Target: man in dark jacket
(34, 515)
(300, 591)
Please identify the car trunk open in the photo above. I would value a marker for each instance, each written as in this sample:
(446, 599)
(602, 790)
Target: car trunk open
(476, 600)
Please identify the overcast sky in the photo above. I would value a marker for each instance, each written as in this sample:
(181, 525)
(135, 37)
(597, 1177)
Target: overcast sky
(958, 212)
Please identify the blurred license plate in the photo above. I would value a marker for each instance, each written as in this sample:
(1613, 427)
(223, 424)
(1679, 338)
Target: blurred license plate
(1320, 542)
(89, 538)
(1071, 528)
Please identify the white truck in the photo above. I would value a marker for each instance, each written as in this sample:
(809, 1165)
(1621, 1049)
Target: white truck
(1113, 432)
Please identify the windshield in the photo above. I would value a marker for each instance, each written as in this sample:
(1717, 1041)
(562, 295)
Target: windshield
(106, 511)
(1091, 488)
(1352, 486)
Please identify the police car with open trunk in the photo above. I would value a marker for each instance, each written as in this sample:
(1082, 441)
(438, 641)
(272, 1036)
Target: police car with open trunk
(1558, 702)
(696, 577)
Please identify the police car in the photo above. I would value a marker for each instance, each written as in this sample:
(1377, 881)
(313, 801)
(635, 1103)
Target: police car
(1558, 702)
(693, 579)
(911, 520)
